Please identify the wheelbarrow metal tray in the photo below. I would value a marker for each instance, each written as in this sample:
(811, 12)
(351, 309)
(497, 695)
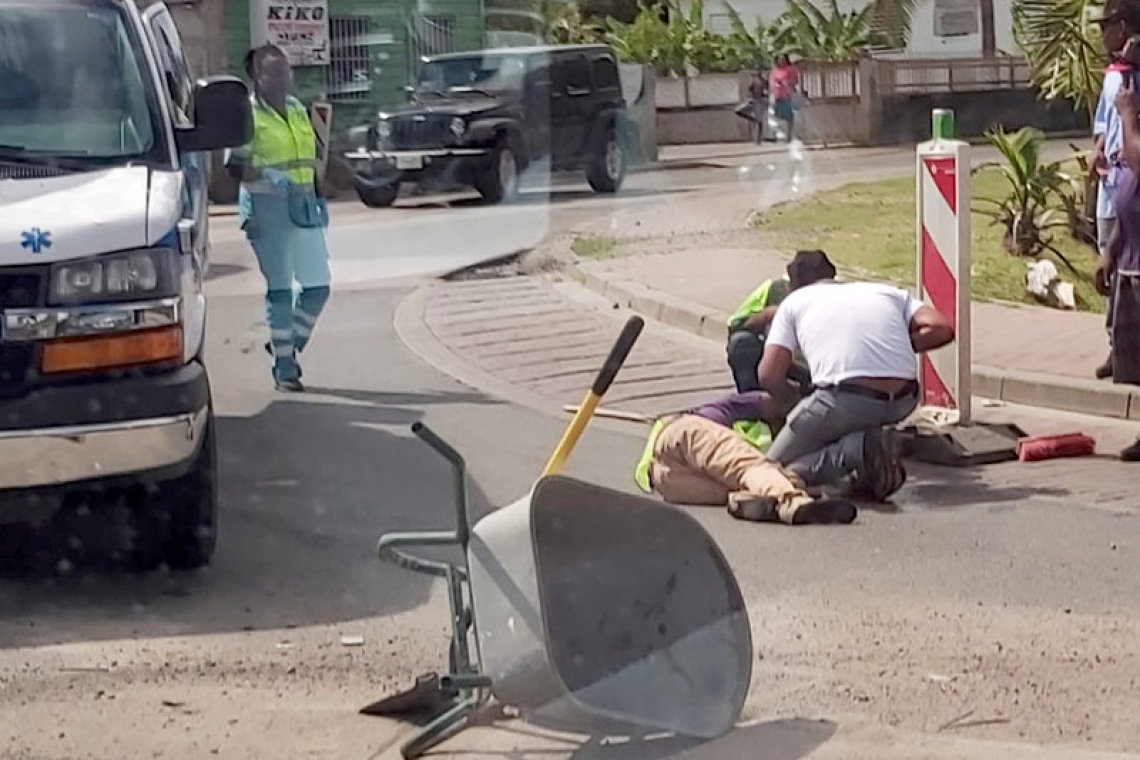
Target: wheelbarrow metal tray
(594, 605)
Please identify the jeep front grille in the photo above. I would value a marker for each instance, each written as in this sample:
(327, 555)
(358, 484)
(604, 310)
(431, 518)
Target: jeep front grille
(415, 134)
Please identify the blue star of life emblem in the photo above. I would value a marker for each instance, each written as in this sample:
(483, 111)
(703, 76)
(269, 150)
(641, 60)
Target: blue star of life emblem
(35, 240)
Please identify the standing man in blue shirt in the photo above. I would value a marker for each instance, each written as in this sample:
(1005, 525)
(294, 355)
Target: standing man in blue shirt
(1115, 25)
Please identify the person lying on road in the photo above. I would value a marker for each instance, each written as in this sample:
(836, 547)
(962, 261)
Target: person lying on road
(861, 341)
(713, 456)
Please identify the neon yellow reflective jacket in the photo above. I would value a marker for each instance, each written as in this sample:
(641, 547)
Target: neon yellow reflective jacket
(770, 293)
(286, 144)
(755, 432)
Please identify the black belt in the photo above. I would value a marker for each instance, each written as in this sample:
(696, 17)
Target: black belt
(908, 390)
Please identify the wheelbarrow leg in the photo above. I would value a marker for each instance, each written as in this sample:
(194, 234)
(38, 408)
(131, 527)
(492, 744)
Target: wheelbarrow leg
(440, 729)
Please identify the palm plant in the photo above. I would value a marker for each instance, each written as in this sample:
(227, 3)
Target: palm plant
(891, 23)
(755, 46)
(565, 23)
(827, 33)
(1032, 186)
(1065, 51)
(649, 40)
(1066, 57)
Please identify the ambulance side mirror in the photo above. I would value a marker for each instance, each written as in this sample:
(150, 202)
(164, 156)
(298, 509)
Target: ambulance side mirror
(223, 116)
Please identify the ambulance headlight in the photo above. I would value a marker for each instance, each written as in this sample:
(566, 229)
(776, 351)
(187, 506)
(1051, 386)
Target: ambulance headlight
(126, 276)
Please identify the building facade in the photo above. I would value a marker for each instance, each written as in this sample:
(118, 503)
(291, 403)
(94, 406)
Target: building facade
(370, 51)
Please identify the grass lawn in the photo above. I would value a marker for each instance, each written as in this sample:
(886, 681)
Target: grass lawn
(868, 229)
(595, 246)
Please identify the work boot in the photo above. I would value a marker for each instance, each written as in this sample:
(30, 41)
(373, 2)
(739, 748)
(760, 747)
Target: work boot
(269, 350)
(825, 512)
(883, 473)
(1104, 371)
(1132, 453)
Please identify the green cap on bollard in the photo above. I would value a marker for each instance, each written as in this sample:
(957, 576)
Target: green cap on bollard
(942, 124)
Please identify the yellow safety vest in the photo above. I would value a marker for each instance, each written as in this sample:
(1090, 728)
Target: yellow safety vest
(755, 432)
(770, 293)
(286, 144)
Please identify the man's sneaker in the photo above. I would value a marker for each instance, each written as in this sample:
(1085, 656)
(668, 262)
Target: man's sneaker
(755, 509)
(290, 386)
(825, 512)
(1132, 453)
(1104, 371)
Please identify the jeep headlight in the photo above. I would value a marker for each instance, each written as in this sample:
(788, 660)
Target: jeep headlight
(131, 275)
(458, 127)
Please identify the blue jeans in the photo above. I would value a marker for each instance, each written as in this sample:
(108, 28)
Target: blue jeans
(1104, 225)
(823, 439)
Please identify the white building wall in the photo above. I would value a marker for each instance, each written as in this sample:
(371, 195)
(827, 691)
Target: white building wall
(923, 41)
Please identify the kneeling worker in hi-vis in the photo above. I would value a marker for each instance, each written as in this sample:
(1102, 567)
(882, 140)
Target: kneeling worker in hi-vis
(713, 456)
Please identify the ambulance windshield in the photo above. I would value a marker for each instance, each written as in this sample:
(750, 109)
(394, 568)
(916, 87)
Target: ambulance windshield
(73, 82)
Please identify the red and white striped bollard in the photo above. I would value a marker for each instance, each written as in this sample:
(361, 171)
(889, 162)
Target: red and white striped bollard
(944, 248)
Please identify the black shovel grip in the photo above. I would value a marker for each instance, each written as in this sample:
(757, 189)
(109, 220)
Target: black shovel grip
(618, 354)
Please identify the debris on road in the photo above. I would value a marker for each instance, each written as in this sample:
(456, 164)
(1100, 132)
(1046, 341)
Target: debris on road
(352, 641)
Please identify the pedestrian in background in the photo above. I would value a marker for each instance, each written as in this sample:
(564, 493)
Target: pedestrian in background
(282, 213)
(1116, 27)
(1119, 268)
(783, 89)
(758, 100)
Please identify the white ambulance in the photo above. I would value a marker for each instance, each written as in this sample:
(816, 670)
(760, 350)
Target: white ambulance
(104, 140)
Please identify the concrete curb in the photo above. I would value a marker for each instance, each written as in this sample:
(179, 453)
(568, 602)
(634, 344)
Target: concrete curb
(1067, 394)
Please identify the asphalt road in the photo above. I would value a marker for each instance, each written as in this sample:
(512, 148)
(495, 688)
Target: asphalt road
(1014, 607)
(430, 235)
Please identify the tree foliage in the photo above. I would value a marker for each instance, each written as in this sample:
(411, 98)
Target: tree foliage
(1064, 48)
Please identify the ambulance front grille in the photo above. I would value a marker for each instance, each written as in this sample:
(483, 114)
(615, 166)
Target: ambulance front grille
(20, 288)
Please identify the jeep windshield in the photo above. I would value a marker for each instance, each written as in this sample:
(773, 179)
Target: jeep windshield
(74, 90)
(488, 75)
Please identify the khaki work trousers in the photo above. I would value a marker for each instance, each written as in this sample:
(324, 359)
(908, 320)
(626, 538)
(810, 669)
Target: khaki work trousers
(696, 461)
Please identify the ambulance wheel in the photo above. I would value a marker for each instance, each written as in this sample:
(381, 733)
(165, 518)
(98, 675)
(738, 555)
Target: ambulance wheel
(177, 523)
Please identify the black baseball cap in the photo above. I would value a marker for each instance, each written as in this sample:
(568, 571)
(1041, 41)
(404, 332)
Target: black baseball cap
(809, 267)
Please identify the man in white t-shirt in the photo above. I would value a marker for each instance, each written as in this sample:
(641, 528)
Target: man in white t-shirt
(861, 341)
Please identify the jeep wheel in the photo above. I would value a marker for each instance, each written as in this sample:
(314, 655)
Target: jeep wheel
(378, 196)
(606, 170)
(500, 182)
(177, 522)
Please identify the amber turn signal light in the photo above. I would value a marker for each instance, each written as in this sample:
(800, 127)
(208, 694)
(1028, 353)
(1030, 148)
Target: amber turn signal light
(112, 351)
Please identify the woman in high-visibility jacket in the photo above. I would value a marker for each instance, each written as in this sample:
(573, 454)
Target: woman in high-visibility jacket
(282, 213)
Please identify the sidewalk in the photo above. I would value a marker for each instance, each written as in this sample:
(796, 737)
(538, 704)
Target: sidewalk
(689, 265)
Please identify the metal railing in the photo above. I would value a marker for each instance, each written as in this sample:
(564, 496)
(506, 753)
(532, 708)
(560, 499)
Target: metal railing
(350, 60)
(938, 75)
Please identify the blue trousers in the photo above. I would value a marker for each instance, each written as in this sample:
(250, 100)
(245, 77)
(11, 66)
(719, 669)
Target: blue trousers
(288, 255)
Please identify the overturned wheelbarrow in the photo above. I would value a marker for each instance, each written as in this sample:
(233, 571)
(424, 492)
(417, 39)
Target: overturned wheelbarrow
(582, 607)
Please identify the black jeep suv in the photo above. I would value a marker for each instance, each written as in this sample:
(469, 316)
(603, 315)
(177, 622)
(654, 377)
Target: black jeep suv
(481, 119)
